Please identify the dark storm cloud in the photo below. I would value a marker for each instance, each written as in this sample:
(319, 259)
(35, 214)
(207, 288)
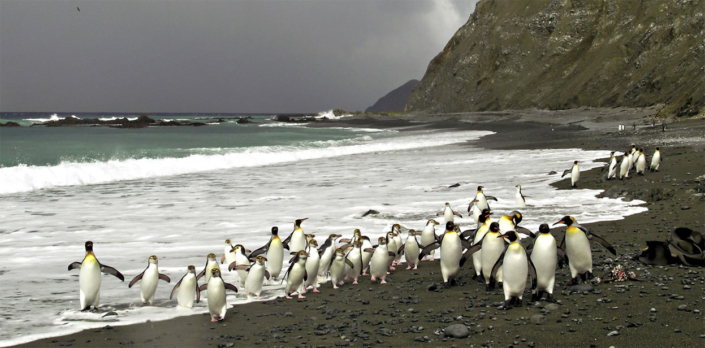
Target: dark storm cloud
(216, 56)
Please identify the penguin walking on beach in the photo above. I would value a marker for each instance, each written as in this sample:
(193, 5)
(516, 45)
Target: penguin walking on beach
(211, 263)
(396, 230)
(428, 236)
(640, 162)
(241, 258)
(393, 246)
(451, 246)
(448, 213)
(366, 254)
(355, 257)
(476, 236)
(228, 253)
(296, 274)
(215, 292)
(256, 273)
(492, 248)
(412, 249)
(380, 260)
(655, 160)
(313, 262)
(612, 167)
(520, 198)
(574, 174)
(187, 289)
(576, 243)
(337, 268)
(516, 266)
(624, 167)
(89, 278)
(274, 250)
(480, 200)
(327, 253)
(150, 279)
(544, 256)
(297, 239)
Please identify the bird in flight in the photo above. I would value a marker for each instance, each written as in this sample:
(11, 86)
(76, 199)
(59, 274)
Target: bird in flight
(79, 10)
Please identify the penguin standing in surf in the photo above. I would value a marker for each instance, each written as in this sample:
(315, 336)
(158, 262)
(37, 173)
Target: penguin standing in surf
(211, 263)
(574, 174)
(448, 213)
(480, 200)
(297, 239)
(89, 278)
(520, 198)
(612, 167)
(228, 254)
(186, 289)
(150, 279)
(256, 274)
(296, 274)
(327, 252)
(624, 167)
(476, 236)
(544, 256)
(215, 292)
(240, 259)
(576, 243)
(313, 262)
(274, 250)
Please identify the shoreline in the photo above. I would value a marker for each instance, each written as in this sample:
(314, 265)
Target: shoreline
(391, 316)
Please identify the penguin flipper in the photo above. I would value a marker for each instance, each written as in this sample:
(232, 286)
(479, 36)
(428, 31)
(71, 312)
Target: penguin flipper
(391, 253)
(203, 287)
(468, 253)
(164, 277)
(562, 257)
(401, 249)
(491, 198)
(177, 286)
(74, 265)
(286, 241)
(604, 243)
(426, 250)
(439, 214)
(112, 271)
(347, 261)
(198, 293)
(261, 250)
(267, 275)
(203, 272)
(369, 250)
(470, 206)
(532, 273)
(468, 233)
(497, 265)
(457, 214)
(229, 286)
(566, 172)
(525, 231)
(135, 279)
(465, 243)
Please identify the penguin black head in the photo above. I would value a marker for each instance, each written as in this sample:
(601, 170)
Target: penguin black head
(494, 227)
(192, 269)
(482, 218)
(544, 228)
(576, 162)
(567, 220)
(516, 216)
(299, 221)
(658, 148)
(612, 153)
(275, 231)
(449, 225)
(511, 235)
(479, 188)
(89, 246)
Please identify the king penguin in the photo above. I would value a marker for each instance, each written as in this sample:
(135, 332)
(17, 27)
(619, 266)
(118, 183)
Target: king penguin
(187, 289)
(574, 174)
(655, 160)
(492, 248)
(428, 236)
(215, 292)
(274, 250)
(516, 265)
(624, 167)
(150, 279)
(544, 256)
(576, 243)
(89, 278)
(640, 162)
(297, 239)
(451, 251)
(477, 236)
(612, 167)
(480, 200)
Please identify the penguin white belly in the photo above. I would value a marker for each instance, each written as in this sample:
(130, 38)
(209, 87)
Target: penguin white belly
(366, 256)
(520, 200)
(209, 267)
(242, 273)
(482, 202)
(356, 259)
(428, 236)
(411, 251)
(624, 169)
(324, 265)
(393, 247)
(655, 161)
(505, 224)
(544, 259)
(448, 215)
(296, 277)
(312, 265)
(574, 175)
(217, 305)
(275, 258)
(229, 258)
(577, 248)
(451, 251)
(255, 279)
(613, 170)
(89, 280)
(337, 271)
(516, 268)
(187, 291)
(492, 248)
(477, 257)
(475, 211)
(148, 285)
(298, 241)
(399, 243)
(378, 264)
(641, 164)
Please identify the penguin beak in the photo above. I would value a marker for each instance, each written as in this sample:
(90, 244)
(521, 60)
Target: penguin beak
(559, 222)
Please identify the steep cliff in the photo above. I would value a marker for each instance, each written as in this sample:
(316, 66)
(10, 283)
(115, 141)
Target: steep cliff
(560, 54)
(394, 100)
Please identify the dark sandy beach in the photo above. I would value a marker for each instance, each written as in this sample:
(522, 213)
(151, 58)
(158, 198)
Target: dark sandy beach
(665, 308)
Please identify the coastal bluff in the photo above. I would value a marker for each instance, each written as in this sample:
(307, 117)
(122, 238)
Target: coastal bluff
(564, 54)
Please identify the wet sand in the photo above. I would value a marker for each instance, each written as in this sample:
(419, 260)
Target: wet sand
(664, 309)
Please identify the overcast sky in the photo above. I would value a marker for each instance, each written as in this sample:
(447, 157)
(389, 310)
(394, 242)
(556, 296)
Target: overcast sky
(216, 56)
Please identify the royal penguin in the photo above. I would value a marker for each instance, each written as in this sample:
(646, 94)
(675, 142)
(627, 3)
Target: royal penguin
(576, 243)
(396, 229)
(448, 213)
(297, 239)
(412, 249)
(211, 263)
(655, 160)
(520, 198)
(379, 261)
(544, 256)
(366, 255)
(451, 246)
(327, 252)
(296, 274)
(313, 262)
(241, 258)
(640, 162)
(215, 292)
(337, 268)
(516, 266)
(355, 257)
(187, 289)
(274, 250)
(480, 200)
(150, 279)
(574, 174)
(428, 236)
(89, 278)
(256, 275)
(392, 246)
(228, 254)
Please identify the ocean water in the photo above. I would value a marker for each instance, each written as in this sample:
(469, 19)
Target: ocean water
(178, 193)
